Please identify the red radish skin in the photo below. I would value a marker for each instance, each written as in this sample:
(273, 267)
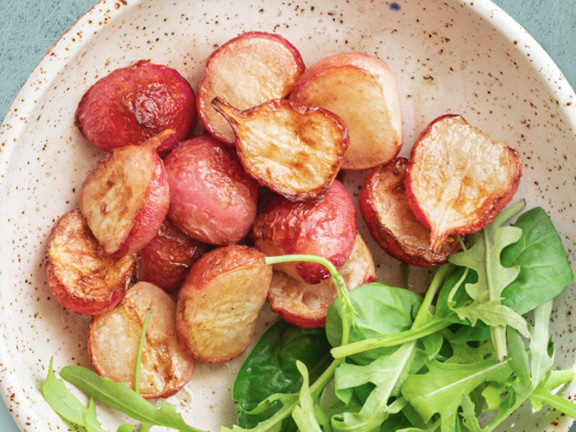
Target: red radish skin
(166, 259)
(212, 199)
(135, 103)
(326, 228)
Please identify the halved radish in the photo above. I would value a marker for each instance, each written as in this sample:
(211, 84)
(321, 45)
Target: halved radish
(305, 305)
(458, 178)
(80, 275)
(295, 150)
(361, 89)
(126, 197)
(246, 71)
(113, 340)
(220, 301)
(391, 222)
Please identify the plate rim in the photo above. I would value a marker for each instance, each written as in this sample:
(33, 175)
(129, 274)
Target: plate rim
(97, 19)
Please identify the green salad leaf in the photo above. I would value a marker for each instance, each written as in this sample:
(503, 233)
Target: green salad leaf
(271, 368)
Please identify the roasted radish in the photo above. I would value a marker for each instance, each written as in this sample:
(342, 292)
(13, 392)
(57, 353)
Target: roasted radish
(392, 224)
(220, 301)
(305, 305)
(458, 178)
(125, 198)
(362, 91)
(326, 228)
(166, 259)
(113, 340)
(295, 150)
(246, 71)
(212, 199)
(80, 275)
(135, 103)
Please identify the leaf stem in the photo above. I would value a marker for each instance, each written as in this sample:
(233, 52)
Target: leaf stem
(343, 295)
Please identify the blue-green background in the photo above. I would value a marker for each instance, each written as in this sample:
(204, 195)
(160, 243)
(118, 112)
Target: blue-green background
(28, 28)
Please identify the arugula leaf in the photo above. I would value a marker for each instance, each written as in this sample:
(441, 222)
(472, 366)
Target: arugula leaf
(484, 258)
(124, 399)
(441, 388)
(65, 404)
(545, 269)
(306, 411)
(388, 373)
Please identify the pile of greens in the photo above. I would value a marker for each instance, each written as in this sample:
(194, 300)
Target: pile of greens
(390, 360)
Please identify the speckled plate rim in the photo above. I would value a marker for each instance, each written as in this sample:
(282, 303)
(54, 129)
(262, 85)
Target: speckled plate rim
(95, 20)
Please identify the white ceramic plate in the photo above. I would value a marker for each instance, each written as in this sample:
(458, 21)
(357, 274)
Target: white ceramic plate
(448, 56)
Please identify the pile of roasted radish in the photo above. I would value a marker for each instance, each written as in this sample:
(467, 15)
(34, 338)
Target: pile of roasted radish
(181, 223)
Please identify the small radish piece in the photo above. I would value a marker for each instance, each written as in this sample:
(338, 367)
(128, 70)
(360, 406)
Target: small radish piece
(114, 337)
(212, 199)
(80, 275)
(458, 178)
(166, 259)
(220, 301)
(392, 224)
(305, 305)
(125, 198)
(135, 103)
(362, 91)
(295, 150)
(246, 71)
(326, 228)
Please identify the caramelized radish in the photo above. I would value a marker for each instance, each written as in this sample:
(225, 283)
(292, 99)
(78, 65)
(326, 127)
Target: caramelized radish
(113, 340)
(246, 71)
(126, 197)
(305, 305)
(295, 150)
(326, 228)
(80, 275)
(166, 259)
(212, 199)
(135, 103)
(392, 224)
(458, 178)
(362, 91)
(220, 301)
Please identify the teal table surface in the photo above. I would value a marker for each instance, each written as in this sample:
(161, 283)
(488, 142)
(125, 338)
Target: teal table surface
(28, 28)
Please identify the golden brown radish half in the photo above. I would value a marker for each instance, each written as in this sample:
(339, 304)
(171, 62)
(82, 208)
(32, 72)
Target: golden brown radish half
(458, 178)
(295, 150)
(125, 198)
(166, 259)
(246, 71)
(305, 305)
(391, 222)
(113, 340)
(325, 228)
(220, 301)
(80, 275)
(361, 89)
